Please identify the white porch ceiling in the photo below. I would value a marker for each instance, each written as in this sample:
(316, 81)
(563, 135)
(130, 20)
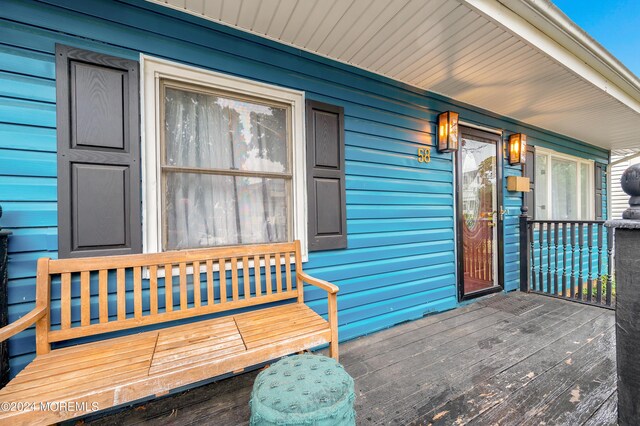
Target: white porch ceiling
(455, 48)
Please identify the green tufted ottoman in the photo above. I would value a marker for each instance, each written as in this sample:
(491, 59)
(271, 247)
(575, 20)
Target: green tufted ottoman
(303, 390)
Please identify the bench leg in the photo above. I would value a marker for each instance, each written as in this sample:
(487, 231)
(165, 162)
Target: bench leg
(333, 322)
(333, 349)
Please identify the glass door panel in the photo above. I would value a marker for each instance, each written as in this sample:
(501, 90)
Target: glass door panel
(480, 211)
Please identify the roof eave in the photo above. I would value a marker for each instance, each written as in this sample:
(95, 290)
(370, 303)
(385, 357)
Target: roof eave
(544, 26)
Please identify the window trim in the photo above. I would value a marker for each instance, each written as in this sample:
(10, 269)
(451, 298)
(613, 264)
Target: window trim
(579, 161)
(153, 70)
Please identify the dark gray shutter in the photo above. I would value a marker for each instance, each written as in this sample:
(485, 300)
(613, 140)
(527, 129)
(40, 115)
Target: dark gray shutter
(98, 154)
(325, 176)
(598, 184)
(529, 170)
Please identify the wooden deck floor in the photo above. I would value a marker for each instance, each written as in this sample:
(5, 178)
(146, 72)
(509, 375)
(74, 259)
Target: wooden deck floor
(505, 360)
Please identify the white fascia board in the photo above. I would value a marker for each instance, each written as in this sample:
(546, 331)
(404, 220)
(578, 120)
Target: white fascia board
(551, 20)
(551, 44)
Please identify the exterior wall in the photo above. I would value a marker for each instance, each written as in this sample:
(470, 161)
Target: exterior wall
(619, 200)
(400, 264)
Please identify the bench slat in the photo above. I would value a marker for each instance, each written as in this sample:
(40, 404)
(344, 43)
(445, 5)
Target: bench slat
(73, 361)
(234, 277)
(279, 323)
(137, 292)
(183, 286)
(168, 287)
(85, 298)
(256, 274)
(278, 273)
(68, 365)
(267, 274)
(246, 278)
(223, 280)
(94, 380)
(210, 283)
(286, 333)
(153, 289)
(197, 297)
(265, 325)
(288, 271)
(103, 296)
(65, 301)
(121, 293)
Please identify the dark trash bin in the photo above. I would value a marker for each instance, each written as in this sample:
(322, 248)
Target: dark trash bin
(4, 350)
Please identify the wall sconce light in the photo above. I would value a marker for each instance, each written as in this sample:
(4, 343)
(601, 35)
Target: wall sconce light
(448, 131)
(517, 149)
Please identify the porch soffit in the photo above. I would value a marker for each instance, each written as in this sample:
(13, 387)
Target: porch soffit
(505, 56)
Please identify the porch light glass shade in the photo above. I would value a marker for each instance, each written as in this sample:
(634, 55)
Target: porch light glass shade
(517, 149)
(448, 131)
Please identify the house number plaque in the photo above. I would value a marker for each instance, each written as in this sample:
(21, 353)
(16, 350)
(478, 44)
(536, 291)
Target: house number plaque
(424, 155)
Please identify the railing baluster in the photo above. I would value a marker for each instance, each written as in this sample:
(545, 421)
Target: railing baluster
(609, 266)
(555, 245)
(540, 243)
(530, 228)
(573, 261)
(564, 259)
(599, 279)
(548, 286)
(546, 267)
(580, 264)
(589, 262)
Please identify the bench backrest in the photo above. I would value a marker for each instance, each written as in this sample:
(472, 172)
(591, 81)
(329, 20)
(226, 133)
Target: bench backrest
(106, 294)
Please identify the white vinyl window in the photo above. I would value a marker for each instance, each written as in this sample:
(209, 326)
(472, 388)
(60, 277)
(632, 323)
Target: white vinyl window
(564, 187)
(223, 160)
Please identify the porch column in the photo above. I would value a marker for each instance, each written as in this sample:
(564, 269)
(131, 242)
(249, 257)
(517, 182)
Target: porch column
(627, 279)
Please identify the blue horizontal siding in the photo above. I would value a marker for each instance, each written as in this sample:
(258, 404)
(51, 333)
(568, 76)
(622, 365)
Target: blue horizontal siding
(511, 231)
(26, 87)
(27, 138)
(400, 263)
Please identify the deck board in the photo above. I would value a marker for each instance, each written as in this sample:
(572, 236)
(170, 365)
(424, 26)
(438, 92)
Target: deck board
(479, 364)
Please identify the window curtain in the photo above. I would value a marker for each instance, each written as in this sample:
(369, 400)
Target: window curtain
(203, 131)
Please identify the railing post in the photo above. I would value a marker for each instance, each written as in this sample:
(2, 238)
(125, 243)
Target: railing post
(524, 249)
(627, 280)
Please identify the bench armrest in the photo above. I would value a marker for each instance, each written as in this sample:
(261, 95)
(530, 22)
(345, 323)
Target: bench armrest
(23, 323)
(325, 285)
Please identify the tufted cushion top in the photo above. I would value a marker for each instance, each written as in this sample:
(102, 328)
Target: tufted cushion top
(303, 389)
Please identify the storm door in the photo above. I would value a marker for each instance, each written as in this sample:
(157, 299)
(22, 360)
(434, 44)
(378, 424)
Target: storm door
(479, 211)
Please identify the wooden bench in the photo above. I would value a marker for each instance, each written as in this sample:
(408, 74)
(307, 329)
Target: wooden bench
(92, 296)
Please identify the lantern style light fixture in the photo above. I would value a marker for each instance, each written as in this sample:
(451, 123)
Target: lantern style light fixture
(517, 149)
(448, 131)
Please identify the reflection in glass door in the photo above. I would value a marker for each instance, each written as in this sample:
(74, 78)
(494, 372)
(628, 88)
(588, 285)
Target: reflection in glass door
(479, 212)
